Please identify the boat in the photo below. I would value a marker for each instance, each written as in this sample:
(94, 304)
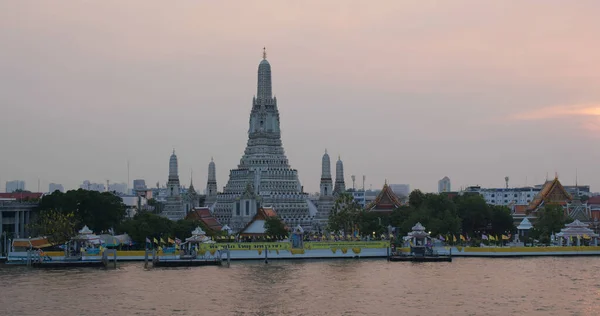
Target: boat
(421, 248)
(189, 253)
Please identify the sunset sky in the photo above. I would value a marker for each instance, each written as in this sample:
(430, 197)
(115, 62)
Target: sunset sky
(408, 91)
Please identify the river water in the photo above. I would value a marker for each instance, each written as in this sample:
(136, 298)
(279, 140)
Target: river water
(467, 286)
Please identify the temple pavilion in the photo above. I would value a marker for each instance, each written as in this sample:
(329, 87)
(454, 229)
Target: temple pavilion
(575, 232)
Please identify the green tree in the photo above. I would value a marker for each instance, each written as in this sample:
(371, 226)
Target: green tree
(274, 226)
(344, 214)
(416, 198)
(550, 219)
(474, 212)
(59, 227)
(99, 210)
(501, 220)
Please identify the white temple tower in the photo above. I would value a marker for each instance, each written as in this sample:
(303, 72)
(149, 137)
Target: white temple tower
(340, 184)
(173, 207)
(264, 176)
(211, 185)
(326, 198)
(326, 183)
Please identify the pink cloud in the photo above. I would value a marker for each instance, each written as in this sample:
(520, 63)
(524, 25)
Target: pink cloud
(590, 111)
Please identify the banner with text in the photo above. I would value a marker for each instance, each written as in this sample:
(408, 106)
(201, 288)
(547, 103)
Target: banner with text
(249, 246)
(346, 244)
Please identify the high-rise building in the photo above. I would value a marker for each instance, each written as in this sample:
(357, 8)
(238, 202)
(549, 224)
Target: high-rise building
(139, 185)
(444, 185)
(400, 190)
(87, 185)
(264, 176)
(12, 186)
(173, 209)
(55, 187)
(120, 188)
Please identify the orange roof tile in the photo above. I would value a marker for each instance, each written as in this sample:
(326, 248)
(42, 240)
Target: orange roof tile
(203, 214)
(386, 200)
(545, 195)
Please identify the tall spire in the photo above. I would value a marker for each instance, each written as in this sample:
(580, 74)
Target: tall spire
(211, 184)
(264, 91)
(340, 184)
(173, 168)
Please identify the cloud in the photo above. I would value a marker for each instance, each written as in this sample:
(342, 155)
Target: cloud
(586, 116)
(559, 111)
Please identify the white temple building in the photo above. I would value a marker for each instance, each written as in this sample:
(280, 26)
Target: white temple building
(264, 176)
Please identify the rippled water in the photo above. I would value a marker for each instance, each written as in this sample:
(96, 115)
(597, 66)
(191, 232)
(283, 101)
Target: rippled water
(467, 286)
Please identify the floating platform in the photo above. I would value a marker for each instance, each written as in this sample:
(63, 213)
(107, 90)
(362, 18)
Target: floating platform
(186, 263)
(421, 258)
(68, 264)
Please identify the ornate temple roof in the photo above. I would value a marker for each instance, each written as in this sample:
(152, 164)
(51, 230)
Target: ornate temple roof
(386, 201)
(525, 224)
(551, 192)
(256, 226)
(203, 214)
(576, 229)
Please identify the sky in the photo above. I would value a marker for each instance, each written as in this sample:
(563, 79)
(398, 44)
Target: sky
(403, 91)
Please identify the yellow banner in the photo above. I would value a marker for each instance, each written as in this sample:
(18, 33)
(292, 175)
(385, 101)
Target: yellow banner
(346, 244)
(249, 246)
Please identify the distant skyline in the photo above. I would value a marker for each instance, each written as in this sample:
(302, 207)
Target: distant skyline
(408, 91)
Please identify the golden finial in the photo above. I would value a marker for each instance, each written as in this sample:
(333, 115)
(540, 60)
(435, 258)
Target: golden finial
(264, 53)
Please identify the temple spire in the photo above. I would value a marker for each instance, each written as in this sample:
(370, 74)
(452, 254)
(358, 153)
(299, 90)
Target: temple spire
(264, 89)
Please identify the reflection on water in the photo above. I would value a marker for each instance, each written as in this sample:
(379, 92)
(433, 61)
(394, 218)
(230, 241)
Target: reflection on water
(536, 286)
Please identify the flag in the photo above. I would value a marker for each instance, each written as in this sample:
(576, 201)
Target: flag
(171, 241)
(442, 238)
(462, 238)
(177, 241)
(504, 237)
(454, 238)
(161, 240)
(148, 240)
(484, 237)
(492, 238)
(155, 241)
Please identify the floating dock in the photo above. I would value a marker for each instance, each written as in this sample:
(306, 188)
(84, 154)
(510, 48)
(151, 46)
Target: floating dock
(421, 258)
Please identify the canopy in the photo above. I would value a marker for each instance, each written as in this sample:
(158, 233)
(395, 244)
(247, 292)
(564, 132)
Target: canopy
(113, 241)
(38, 242)
(525, 224)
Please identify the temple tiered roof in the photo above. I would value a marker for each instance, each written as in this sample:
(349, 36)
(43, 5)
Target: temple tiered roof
(256, 226)
(552, 192)
(386, 201)
(576, 229)
(203, 214)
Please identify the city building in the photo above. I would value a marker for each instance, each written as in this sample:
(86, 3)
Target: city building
(87, 185)
(505, 196)
(16, 211)
(120, 188)
(400, 190)
(173, 208)
(264, 176)
(55, 187)
(444, 185)
(12, 186)
(139, 185)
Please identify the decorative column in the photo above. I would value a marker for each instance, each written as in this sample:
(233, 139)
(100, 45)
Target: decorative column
(16, 224)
